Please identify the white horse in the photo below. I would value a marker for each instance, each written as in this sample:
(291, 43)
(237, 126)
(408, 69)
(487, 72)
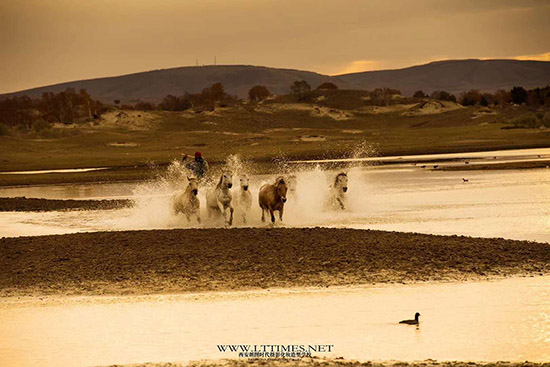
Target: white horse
(187, 201)
(243, 199)
(218, 199)
(337, 197)
(292, 183)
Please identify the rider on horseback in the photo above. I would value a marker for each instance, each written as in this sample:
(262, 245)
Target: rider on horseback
(198, 166)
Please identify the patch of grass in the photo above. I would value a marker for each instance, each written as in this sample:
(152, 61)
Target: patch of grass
(4, 130)
(530, 120)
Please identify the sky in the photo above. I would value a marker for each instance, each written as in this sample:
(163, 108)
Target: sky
(53, 41)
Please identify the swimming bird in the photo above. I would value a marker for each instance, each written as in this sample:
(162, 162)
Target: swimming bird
(437, 165)
(411, 322)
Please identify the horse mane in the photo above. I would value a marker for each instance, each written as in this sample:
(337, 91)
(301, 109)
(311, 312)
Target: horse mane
(341, 174)
(280, 180)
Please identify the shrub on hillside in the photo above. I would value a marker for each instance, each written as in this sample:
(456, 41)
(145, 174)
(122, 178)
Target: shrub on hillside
(518, 95)
(258, 93)
(327, 85)
(300, 88)
(4, 130)
(442, 95)
(471, 98)
(528, 121)
(41, 125)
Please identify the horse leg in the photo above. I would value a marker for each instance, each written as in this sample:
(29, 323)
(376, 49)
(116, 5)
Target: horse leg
(188, 216)
(223, 212)
(198, 217)
(230, 214)
(263, 215)
(272, 216)
(281, 214)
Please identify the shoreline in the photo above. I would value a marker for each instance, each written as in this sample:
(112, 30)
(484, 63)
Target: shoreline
(332, 362)
(24, 204)
(203, 260)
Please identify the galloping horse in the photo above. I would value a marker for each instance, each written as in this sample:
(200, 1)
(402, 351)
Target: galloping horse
(272, 198)
(187, 202)
(243, 199)
(292, 183)
(337, 198)
(218, 199)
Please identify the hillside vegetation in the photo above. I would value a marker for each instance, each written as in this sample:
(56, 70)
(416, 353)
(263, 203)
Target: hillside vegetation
(274, 128)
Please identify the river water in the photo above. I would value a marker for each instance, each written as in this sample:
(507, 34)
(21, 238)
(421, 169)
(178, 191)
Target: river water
(475, 321)
(512, 204)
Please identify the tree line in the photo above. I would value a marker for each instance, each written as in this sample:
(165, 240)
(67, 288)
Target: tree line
(517, 95)
(68, 106)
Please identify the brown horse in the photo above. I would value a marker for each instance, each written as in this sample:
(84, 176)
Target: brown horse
(272, 198)
(187, 201)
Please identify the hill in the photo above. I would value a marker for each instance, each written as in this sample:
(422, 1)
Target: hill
(154, 85)
(456, 76)
(453, 76)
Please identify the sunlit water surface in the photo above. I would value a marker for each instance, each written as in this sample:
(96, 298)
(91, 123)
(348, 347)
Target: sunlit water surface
(480, 321)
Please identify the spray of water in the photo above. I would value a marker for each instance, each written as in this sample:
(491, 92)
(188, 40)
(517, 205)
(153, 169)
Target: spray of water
(306, 205)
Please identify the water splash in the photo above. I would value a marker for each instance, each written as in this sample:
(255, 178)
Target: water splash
(306, 206)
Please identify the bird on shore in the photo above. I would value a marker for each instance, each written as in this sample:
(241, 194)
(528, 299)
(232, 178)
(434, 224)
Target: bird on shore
(464, 179)
(411, 322)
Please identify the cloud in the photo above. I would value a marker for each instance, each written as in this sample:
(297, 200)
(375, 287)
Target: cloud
(358, 66)
(540, 57)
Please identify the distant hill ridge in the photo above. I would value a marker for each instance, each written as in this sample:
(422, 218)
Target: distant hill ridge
(454, 76)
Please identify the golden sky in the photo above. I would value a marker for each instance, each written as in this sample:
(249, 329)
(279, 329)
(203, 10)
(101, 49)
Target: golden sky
(52, 41)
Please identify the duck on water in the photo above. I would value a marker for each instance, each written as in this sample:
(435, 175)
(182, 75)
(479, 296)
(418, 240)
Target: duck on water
(411, 322)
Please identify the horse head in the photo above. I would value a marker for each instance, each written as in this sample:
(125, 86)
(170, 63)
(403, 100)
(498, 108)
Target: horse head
(193, 185)
(292, 183)
(341, 182)
(244, 182)
(282, 188)
(226, 180)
